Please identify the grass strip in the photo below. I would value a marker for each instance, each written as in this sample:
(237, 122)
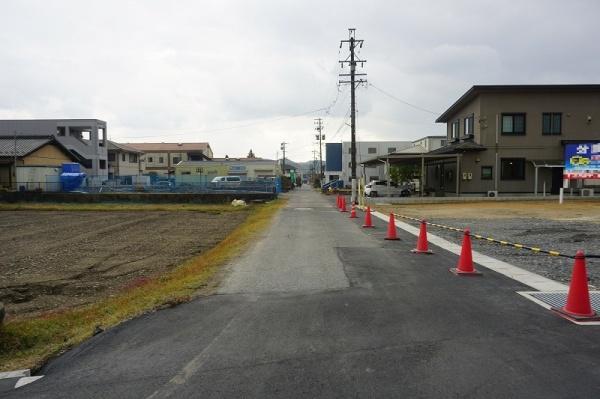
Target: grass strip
(29, 343)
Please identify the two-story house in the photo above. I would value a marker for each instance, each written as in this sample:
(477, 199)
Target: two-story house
(510, 139)
(123, 160)
(161, 158)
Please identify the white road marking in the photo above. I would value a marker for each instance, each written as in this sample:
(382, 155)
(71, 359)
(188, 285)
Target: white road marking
(27, 380)
(15, 374)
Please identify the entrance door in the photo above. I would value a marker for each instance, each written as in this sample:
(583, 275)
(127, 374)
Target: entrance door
(557, 180)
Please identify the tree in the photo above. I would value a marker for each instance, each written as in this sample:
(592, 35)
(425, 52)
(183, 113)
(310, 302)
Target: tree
(251, 154)
(402, 173)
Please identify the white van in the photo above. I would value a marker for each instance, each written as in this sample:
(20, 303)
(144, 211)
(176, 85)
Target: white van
(226, 182)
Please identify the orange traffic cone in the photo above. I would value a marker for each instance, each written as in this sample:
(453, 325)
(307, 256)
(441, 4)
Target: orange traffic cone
(391, 231)
(578, 305)
(465, 262)
(422, 244)
(343, 208)
(338, 202)
(353, 212)
(368, 221)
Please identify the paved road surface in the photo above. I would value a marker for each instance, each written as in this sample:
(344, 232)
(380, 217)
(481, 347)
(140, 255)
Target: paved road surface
(323, 308)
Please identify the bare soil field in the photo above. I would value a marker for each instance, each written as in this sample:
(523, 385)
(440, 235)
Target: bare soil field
(548, 225)
(52, 259)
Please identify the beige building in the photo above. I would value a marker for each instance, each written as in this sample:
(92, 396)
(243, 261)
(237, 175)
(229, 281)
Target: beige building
(123, 160)
(508, 138)
(38, 162)
(247, 168)
(161, 158)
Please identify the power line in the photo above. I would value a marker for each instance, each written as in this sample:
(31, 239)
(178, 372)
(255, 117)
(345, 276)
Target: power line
(403, 101)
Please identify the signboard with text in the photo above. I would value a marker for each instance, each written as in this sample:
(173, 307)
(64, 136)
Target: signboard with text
(582, 161)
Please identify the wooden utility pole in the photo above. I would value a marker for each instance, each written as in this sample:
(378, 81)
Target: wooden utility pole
(352, 60)
(283, 160)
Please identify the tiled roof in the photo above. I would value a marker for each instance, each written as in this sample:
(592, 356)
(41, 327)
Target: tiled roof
(149, 147)
(123, 147)
(24, 145)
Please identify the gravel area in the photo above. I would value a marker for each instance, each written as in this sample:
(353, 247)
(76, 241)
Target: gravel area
(562, 236)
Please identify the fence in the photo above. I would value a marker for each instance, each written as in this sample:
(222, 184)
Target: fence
(148, 184)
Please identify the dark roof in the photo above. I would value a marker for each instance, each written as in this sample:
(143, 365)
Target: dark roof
(165, 147)
(123, 147)
(458, 148)
(474, 91)
(25, 145)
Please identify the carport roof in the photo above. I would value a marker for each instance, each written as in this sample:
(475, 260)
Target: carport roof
(395, 158)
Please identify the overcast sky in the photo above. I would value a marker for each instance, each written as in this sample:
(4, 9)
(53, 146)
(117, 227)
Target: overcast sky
(247, 74)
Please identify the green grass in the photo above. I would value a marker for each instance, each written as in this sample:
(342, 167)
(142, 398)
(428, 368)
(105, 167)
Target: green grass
(123, 207)
(30, 342)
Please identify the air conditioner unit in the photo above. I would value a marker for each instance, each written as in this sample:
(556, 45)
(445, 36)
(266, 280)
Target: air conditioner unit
(587, 192)
(492, 194)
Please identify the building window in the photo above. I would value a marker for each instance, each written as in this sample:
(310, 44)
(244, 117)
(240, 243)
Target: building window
(133, 158)
(161, 160)
(150, 160)
(103, 164)
(512, 169)
(469, 125)
(513, 124)
(442, 143)
(176, 160)
(487, 173)
(551, 123)
(186, 173)
(123, 157)
(372, 150)
(111, 157)
(391, 150)
(455, 129)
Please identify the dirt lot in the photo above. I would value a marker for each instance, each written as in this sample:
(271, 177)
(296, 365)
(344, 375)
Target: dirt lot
(565, 228)
(53, 259)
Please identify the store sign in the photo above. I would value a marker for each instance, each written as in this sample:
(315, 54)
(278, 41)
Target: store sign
(582, 161)
(235, 169)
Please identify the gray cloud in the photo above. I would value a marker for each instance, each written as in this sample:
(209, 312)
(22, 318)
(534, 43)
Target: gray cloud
(176, 71)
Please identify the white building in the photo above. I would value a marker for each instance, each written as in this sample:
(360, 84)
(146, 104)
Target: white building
(366, 150)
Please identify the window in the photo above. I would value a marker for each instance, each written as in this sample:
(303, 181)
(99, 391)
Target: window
(150, 160)
(513, 124)
(103, 164)
(455, 128)
(186, 173)
(161, 160)
(111, 157)
(176, 160)
(487, 173)
(551, 123)
(133, 158)
(512, 169)
(123, 157)
(372, 150)
(469, 125)
(442, 143)
(391, 149)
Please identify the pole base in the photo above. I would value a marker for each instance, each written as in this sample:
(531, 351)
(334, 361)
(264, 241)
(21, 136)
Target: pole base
(416, 251)
(457, 272)
(575, 316)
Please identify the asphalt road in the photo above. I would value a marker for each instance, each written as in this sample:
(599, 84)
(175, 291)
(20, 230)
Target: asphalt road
(322, 308)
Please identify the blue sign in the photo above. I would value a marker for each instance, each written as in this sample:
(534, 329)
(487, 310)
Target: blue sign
(582, 161)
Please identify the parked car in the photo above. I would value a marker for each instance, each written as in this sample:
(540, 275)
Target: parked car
(379, 188)
(226, 182)
(161, 185)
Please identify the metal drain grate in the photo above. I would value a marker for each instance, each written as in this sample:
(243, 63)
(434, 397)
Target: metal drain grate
(559, 299)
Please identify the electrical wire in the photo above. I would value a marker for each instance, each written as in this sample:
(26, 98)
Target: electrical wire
(403, 101)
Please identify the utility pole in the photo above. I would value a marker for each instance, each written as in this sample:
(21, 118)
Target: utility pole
(314, 165)
(353, 60)
(15, 160)
(320, 137)
(283, 160)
